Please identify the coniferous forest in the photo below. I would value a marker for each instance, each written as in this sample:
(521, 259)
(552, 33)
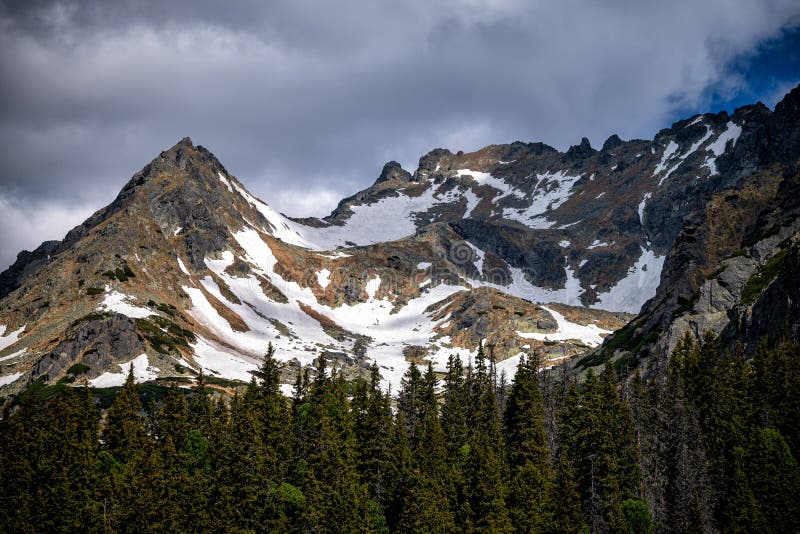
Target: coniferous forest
(706, 443)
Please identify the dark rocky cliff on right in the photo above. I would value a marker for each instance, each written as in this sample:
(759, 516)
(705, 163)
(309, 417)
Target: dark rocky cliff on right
(734, 268)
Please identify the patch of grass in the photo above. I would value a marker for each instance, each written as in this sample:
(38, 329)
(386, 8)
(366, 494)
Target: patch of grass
(761, 279)
(627, 342)
(164, 335)
(624, 339)
(179, 379)
(78, 369)
(120, 273)
(716, 273)
(224, 382)
(95, 291)
(685, 304)
(169, 309)
(93, 316)
(68, 379)
(41, 391)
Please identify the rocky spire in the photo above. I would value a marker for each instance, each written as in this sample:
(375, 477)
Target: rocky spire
(393, 171)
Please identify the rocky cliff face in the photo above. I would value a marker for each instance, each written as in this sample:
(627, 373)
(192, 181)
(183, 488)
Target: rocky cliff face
(733, 267)
(520, 246)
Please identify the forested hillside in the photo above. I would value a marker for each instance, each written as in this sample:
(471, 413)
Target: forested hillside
(708, 444)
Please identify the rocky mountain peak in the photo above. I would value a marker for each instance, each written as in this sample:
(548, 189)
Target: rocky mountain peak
(429, 161)
(392, 171)
(582, 151)
(612, 142)
(786, 127)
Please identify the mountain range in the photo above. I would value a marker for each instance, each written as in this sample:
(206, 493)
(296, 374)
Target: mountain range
(579, 256)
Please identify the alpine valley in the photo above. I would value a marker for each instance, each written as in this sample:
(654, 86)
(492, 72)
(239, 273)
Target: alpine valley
(518, 247)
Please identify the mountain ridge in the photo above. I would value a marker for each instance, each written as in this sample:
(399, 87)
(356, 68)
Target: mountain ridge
(487, 246)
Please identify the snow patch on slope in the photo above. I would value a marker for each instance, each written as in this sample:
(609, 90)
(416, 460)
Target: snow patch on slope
(225, 182)
(388, 219)
(282, 228)
(392, 330)
(672, 147)
(13, 355)
(485, 178)
(142, 371)
(114, 301)
(642, 205)
(8, 339)
(732, 133)
(479, 256)
(220, 362)
(519, 286)
(591, 334)
(372, 287)
(9, 379)
(472, 202)
(323, 278)
(183, 267)
(640, 284)
(550, 192)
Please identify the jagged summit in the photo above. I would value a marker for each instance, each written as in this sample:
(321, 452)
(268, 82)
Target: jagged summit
(392, 171)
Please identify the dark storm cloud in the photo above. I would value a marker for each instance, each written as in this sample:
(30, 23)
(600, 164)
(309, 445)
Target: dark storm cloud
(310, 96)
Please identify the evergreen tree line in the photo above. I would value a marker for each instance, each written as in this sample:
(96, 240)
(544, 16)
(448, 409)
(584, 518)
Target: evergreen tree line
(708, 443)
(719, 437)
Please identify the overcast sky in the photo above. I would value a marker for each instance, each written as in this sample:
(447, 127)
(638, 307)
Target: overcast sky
(304, 101)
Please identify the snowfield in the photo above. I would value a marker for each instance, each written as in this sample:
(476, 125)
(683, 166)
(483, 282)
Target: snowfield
(640, 284)
(114, 301)
(9, 379)
(9, 338)
(591, 335)
(298, 332)
(142, 372)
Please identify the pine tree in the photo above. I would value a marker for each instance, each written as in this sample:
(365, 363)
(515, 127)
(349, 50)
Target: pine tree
(455, 429)
(485, 469)
(337, 499)
(373, 428)
(408, 401)
(425, 508)
(773, 477)
(568, 518)
(125, 433)
(399, 473)
(530, 502)
(272, 411)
